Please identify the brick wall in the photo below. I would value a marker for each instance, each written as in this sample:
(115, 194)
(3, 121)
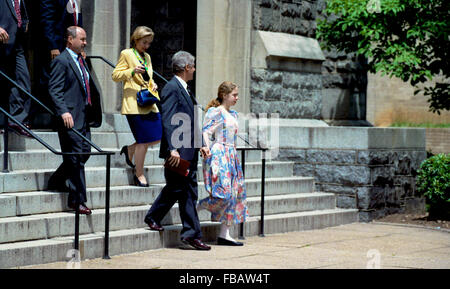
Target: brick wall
(438, 140)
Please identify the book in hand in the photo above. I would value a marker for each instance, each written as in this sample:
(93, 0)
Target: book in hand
(182, 168)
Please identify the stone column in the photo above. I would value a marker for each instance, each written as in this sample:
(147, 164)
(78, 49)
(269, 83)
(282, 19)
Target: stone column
(107, 24)
(223, 48)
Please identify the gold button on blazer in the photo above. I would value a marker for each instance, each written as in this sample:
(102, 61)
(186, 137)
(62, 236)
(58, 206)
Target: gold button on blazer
(133, 83)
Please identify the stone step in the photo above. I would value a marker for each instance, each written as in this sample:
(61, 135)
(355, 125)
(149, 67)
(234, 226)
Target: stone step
(26, 203)
(101, 139)
(40, 202)
(19, 254)
(46, 226)
(42, 159)
(36, 180)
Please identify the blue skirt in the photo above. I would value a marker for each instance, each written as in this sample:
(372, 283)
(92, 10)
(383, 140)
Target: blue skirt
(145, 127)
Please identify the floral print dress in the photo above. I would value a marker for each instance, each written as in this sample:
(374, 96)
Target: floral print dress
(222, 172)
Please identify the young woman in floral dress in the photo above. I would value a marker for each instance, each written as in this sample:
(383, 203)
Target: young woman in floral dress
(223, 176)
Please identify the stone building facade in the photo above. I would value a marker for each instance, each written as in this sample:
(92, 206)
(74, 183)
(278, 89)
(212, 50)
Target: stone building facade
(224, 36)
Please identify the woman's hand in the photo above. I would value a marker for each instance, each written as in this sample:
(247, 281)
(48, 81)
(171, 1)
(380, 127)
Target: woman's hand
(139, 69)
(205, 152)
(154, 87)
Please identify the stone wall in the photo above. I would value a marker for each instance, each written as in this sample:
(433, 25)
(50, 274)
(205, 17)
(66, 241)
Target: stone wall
(438, 140)
(290, 94)
(371, 169)
(337, 95)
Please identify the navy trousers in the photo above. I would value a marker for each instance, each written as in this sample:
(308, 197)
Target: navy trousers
(185, 191)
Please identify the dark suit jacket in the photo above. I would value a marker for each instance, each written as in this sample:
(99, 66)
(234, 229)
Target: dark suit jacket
(68, 94)
(8, 21)
(174, 99)
(54, 21)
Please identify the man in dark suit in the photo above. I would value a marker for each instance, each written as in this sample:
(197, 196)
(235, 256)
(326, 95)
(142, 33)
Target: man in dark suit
(77, 101)
(13, 26)
(55, 17)
(178, 103)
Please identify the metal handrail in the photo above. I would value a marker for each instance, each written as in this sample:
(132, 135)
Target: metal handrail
(46, 145)
(113, 66)
(263, 181)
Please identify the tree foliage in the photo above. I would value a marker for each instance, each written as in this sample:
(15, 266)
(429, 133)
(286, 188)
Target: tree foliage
(409, 39)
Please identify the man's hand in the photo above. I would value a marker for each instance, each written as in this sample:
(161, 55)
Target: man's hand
(68, 120)
(4, 36)
(174, 159)
(54, 53)
(205, 153)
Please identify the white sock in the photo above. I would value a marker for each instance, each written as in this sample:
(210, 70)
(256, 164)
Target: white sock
(225, 232)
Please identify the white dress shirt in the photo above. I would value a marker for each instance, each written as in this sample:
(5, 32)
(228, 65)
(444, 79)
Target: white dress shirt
(75, 59)
(13, 3)
(77, 10)
(183, 83)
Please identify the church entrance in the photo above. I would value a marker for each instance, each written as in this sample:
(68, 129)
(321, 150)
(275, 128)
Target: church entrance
(175, 25)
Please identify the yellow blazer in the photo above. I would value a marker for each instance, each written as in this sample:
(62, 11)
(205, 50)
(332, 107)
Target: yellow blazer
(132, 84)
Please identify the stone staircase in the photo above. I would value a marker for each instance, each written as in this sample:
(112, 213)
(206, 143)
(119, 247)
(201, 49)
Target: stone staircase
(37, 227)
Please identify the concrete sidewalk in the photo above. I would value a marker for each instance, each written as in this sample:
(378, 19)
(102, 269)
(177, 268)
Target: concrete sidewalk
(355, 246)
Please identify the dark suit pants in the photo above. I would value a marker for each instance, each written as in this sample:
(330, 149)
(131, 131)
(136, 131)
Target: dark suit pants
(70, 174)
(184, 190)
(15, 66)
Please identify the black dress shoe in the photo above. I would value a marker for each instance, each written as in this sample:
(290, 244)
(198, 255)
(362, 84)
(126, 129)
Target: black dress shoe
(138, 183)
(18, 130)
(196, 244)
(153, 225)
(225, 242)
(124, 150)
(82, 209)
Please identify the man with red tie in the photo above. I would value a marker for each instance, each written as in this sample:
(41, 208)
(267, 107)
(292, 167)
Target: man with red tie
(13, 26)
(55, 17)
(77, 102)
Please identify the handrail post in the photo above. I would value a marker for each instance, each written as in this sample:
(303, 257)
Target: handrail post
(263, 177)
(5, 147)
(241, 227)
(77, 226)
(107, 201)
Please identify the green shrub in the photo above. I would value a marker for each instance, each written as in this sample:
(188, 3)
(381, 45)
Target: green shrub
(433, 181)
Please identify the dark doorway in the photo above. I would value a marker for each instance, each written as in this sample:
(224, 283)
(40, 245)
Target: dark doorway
(34, 49)
(175, 25)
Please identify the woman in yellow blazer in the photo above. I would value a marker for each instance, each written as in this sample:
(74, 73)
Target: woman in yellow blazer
(134, 69)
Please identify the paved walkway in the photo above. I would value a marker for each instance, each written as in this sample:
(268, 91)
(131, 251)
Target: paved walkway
(358, 246)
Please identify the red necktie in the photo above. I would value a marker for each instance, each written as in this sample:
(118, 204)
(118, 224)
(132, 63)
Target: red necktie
(86, 82)
(74, 13)
(19, 16)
